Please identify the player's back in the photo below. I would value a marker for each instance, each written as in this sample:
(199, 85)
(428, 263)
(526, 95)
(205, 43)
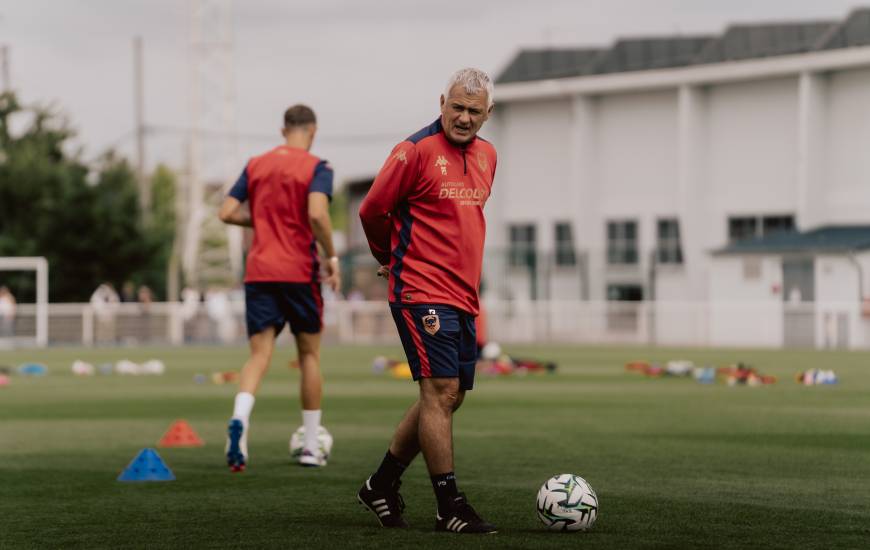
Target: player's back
(278, 186)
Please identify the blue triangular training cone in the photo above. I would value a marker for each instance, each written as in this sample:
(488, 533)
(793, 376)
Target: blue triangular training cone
(147, 466)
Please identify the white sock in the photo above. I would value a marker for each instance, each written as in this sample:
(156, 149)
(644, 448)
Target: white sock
(311, 421)
(243, 407)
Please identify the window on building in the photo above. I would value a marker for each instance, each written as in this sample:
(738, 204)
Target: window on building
(622, 242)
(668, 248)
(750, 227)
(623, 317)
(522, 245)
(624, 293)
(776, 224)
(565, 254)
(742, 227)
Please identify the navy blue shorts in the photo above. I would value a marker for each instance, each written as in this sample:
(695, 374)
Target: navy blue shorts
(274, 304)
(439, 341)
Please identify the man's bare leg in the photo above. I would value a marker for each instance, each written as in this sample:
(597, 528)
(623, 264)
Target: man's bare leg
(262, 345)
(311, 394)
(311, 387)
(439, 397)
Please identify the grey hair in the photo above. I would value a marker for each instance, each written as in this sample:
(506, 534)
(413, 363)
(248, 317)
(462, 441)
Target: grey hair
(473, 81)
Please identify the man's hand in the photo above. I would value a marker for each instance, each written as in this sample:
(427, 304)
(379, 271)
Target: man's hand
(333, 274)
(384, 271)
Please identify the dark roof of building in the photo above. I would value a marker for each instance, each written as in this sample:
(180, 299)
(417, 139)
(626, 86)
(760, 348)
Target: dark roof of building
(550, 63)
(738, 42)
(829, 239)
(854, 31)
(638, 54)
(755, 41)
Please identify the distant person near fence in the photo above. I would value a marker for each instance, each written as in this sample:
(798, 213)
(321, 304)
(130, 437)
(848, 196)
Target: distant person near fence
(105, 303)
(8, 308)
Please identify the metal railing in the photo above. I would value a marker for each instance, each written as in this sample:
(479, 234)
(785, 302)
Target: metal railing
(758, 324)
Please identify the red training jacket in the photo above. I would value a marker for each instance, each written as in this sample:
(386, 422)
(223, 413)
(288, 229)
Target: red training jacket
(424, 218)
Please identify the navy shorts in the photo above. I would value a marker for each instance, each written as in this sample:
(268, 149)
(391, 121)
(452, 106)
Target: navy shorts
(274, 304)
(439, 341)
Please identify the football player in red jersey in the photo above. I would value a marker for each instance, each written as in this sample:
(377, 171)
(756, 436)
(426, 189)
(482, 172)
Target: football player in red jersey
(424, 221)
(288, 190)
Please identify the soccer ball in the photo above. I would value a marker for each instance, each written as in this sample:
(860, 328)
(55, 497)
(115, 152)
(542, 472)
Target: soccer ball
(297, 440)
(567, 503)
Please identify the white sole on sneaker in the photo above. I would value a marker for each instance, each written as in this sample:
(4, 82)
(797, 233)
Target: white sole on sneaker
(311, 460)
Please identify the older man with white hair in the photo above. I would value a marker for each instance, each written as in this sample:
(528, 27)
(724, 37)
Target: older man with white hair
(424, 221)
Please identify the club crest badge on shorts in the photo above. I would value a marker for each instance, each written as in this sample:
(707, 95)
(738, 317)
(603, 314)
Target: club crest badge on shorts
(431, 323)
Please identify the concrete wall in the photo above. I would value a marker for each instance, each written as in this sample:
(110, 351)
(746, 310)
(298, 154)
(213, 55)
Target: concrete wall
(746, 301)
(847, 146)
(747, 305)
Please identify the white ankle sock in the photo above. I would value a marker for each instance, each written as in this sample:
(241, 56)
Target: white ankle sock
(311, 421)
(243, 406)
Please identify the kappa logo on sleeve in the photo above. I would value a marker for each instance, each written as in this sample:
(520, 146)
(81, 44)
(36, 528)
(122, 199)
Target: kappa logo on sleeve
(401, 157)
(431, 323)
(482, 161)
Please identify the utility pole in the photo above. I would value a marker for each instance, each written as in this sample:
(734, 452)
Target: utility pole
(139, 113)
(4, 68)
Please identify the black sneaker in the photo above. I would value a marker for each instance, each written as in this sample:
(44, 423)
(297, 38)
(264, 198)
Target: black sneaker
(387, 505)
(463, 519)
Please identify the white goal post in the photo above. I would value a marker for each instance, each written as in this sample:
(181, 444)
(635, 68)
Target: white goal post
(40, 265)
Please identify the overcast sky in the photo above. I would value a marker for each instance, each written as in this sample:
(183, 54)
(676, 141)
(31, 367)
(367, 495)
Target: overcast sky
(372, 69)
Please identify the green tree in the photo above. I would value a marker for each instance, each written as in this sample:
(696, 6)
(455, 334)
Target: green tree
(84, 219)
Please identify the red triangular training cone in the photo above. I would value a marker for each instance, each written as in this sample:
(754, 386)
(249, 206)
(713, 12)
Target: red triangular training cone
(180, 434)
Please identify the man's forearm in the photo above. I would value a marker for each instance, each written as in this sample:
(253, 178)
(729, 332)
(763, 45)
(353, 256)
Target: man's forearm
(239, 218)
(322, 229)
(377, 231)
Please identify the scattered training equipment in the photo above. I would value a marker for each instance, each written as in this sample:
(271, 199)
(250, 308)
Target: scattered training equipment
(816, 377)
(566, 502)
(671, 368)
(733, 375)
(297, 440)
(106, 369)
(743, 374)
(4, 380)
(402, 371)
(147, 466)
(32, 369)
(227, 377)
(199, 378)
(125, 366)
(81, 368)
(152, 367)
(6, 369)
(180, 434)
(705, 375)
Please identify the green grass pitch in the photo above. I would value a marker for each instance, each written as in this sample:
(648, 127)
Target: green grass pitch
(675, 464)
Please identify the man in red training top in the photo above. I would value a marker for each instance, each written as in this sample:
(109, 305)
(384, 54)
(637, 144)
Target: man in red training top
(288, 190)
(423, 218)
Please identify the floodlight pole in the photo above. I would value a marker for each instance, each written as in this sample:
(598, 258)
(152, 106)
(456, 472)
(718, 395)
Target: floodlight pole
(139, 113)
(211, 252)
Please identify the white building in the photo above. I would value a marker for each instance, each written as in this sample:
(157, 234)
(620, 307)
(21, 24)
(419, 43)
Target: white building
(621, 170)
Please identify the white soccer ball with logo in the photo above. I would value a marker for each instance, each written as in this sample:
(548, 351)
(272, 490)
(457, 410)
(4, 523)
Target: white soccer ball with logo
(566, 502)
(297, 441)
